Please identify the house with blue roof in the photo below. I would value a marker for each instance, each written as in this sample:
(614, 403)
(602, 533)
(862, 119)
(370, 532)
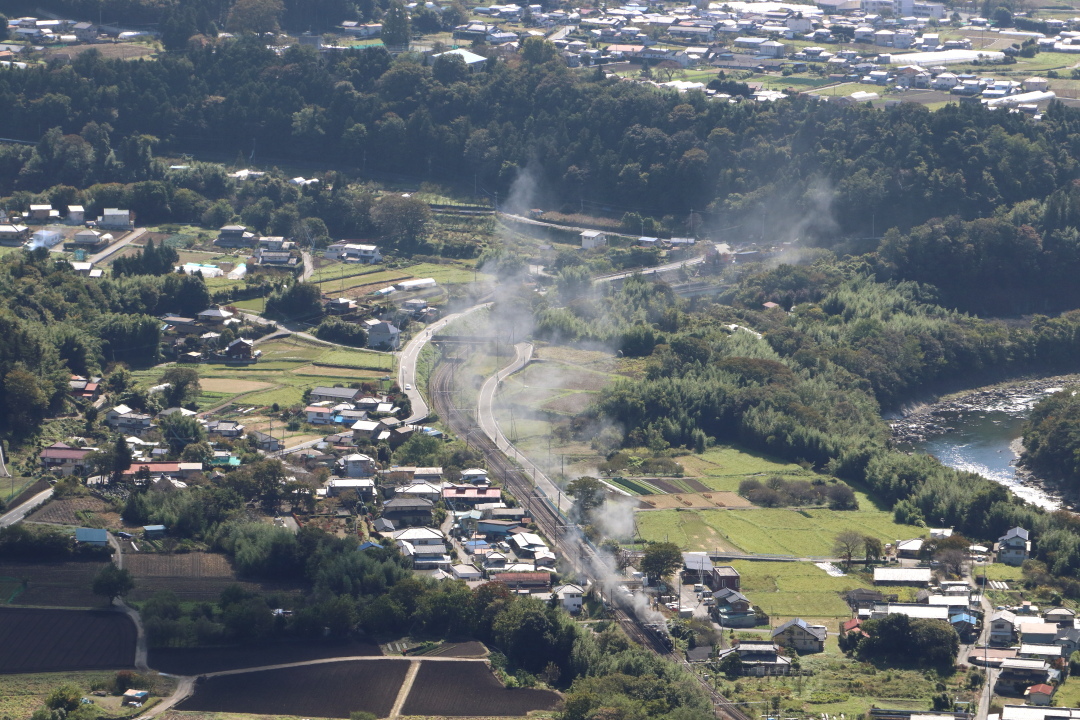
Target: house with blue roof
(92, 536)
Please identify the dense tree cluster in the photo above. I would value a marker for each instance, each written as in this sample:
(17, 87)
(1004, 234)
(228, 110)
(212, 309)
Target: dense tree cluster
(838, 171)
(919, 642)
(1052, 438)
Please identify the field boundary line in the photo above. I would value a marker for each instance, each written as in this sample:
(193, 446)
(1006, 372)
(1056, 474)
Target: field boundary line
(405, 689)
(324, 661)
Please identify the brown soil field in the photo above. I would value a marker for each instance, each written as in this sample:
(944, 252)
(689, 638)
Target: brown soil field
(186, 565)
(665, 485)
(229, 385)
(328, 690)
(56, 640)
(110, 50)
(197, 661)
(63, 512)
(697, 485)
(469, 689)
(57, 584)
(197, 589)
(463, 650)
(715, 499)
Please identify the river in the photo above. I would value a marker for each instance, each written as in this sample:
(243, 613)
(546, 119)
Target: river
(980, 432)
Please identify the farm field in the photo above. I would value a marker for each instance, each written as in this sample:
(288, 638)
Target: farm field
(197, 661)
(469, 689)
(53, 640)
(55, 584)
(329, 690)
(194, 577)
(696, 500)
(83, 511)
(790, 589)
(1000, 571)
(723, 468)
(801, 533)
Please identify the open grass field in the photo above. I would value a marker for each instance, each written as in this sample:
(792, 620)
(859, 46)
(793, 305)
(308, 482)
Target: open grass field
(36, 640)
(196, 661)
(793, 589)
(331, 690)
(56, 584)
(805, 533)
(364, 359)
(1000, 571)
(12, 487)
(469, 689)
(232, 385)
(1068, 694)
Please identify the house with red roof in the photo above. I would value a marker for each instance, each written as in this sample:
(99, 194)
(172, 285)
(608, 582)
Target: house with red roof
(1041, 694)
(64, 460)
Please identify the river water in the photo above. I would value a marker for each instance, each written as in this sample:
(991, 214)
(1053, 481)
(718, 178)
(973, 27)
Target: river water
(980, 432)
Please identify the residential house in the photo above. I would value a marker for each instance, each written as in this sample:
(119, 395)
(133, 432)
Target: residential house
(425, 490)
(733, 609)
(341, 306)
(181, 325)
(353, 252)
(39, 213)
(469, 495)
(358, 465)
(319, 415)
(182, 470)
(89, 240)
(85, 388)
(1038, 633)
(214, 316)
(14, 235)
(1014, 547)
(802, 636)
(224, 428)
(333, 394)
(114, 218)
(592, 239)
(363, 487)
(759, 658)
(864, 598)
(235, 236)
(475, 476)
(466, 572)
(94, 537)
(496, 528)
(266, 443)
(1062, 617)
(382, 335)
(1018, 674)
(570, 597)
(64, 460)
(964, 624)
(909, 548)
(1003, 628)
(912, 610)
(241, 349)
(123, 418)
(407, 511)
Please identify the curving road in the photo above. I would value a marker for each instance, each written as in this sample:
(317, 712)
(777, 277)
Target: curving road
(410, 354)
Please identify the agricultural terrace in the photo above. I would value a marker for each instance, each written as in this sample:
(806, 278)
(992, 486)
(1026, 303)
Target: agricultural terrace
(55, 584)
(780, 531)
(288, 367)
(37, 640)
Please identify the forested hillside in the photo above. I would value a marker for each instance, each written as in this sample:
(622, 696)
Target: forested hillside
(799, 169)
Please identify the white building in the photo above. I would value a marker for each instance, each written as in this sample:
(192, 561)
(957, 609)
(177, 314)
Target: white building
(353, 252)
(570, 597)
(592, 239)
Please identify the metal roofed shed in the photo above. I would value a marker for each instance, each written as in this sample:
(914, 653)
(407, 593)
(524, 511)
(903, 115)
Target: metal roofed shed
(902, 576)
(92, 536)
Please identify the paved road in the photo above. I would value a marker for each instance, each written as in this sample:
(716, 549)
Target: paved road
(409, 355)
(117, 247)
(14, 516)
(490, 426)
(666, 267)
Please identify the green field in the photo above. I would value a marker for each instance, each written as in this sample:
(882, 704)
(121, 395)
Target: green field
(1068, 694)
(11, 487)
(723, 468)
(364, 359)
(793, 589)
(807, 533)
(1000, 571)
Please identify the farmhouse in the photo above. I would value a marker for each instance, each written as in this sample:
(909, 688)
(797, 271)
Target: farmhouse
(909, 548)
(733, 609)
(759, 658)
(14, 235)
(319, 415)
(63, 460)
(459, 495)
(1003, 628)
(1061, 616)
(113, 218)
(407, 512)
(224, 428)
(334, 394)
(265, 442)
(1040, 694)
(569, 596)
(382, 335)
(1014, 547)
(235, 236)
(214, 316)
(798, 634)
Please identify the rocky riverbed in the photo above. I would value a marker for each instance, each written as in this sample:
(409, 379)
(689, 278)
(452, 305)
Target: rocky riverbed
(978, 431)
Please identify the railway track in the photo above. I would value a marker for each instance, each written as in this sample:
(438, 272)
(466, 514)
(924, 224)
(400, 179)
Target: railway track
(567, 540)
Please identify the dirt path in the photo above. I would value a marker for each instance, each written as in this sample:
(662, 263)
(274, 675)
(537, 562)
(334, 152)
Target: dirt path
(406, 688)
